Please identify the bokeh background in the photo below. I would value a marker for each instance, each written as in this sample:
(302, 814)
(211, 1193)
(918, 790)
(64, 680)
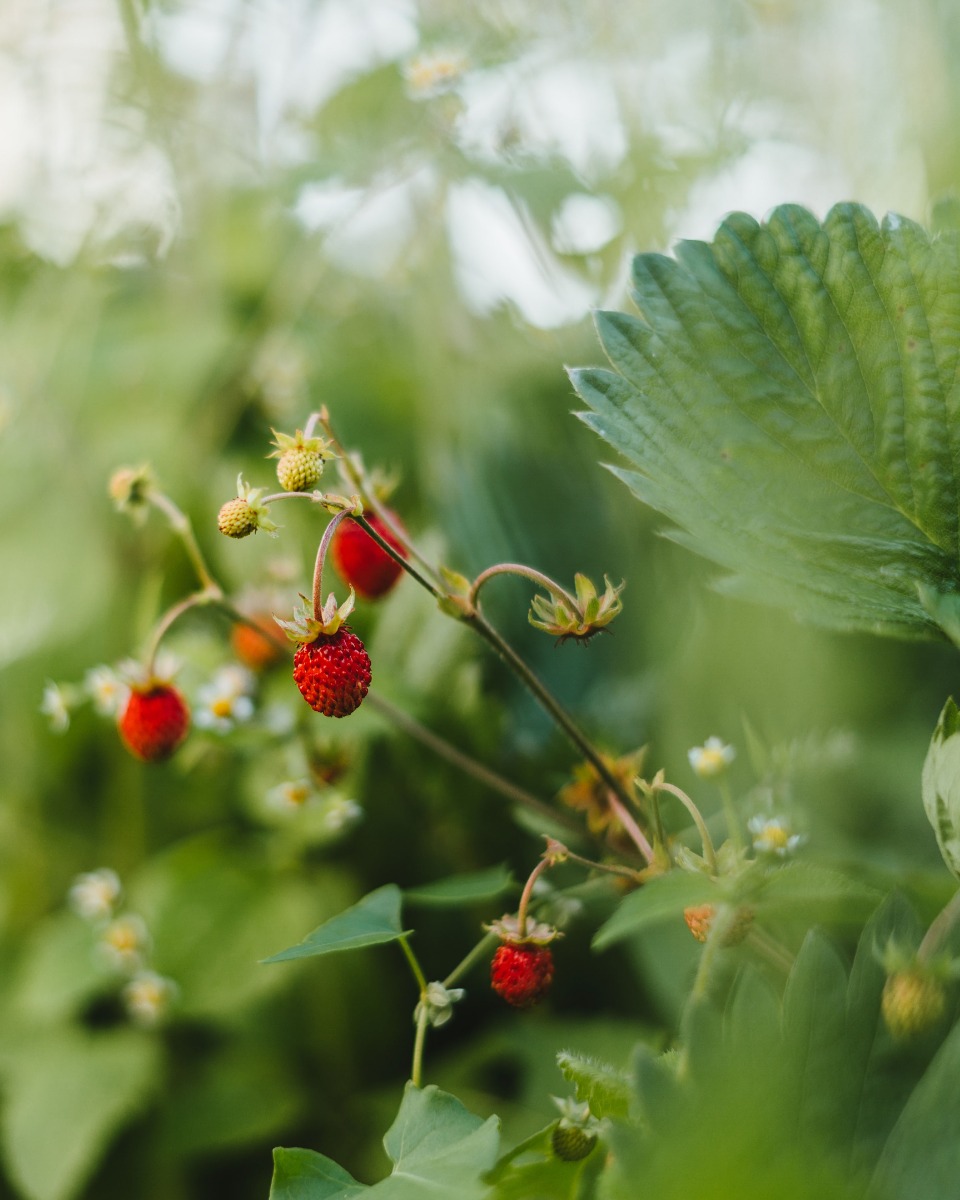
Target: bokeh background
(217, 215)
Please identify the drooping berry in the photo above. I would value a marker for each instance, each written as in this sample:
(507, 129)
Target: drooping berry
(571, 1142)
(364, 565)
(912, 1003)
(521, 972)
(245, 514)
(154, 721)
(332, 672)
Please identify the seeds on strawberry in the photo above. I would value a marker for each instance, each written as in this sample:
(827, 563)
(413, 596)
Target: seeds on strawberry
(521, 973)
(364, 565)
(300, 460)
(571, 1143)
(154, 721)
(333, 672)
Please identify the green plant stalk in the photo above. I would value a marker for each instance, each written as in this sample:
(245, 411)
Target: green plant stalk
(471, 766)
(321, 556)
(524, 572)
(633, 829)
(419, 1041)
(180, 524)
(545, 698)
(211, 595)
(709, 852)
(466, 963)
(544, 864)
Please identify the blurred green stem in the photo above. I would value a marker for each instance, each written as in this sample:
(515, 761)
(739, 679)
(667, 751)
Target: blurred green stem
(730, 813)
(709, 852)
(524, 572)
(180, 524)
(941, 925)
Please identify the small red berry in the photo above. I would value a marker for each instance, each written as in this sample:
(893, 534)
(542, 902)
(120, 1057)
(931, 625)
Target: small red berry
(521, 972)
(332, 672)
(154, 721)
(364, 565)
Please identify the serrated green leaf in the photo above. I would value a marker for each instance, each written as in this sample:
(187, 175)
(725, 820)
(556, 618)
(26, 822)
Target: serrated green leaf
(605, 1088)
(306, 1175)
(462, 889)
(658, 900)
(788, 400)
(66, 1096)
(371, 921)
(940, 785)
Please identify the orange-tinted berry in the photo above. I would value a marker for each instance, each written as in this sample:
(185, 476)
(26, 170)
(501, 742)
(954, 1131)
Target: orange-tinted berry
(364, 565)
(154, 722)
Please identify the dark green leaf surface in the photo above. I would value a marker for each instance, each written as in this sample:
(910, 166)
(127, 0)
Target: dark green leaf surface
(372, 920)
(462, 889)
(788, 399)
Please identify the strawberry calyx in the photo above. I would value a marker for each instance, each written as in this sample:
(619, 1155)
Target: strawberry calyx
(307, 625)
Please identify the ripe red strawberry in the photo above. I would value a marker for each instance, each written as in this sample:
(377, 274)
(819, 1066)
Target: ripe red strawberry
(154, 721)
(332, 672)
(521, 972)
(364, 565)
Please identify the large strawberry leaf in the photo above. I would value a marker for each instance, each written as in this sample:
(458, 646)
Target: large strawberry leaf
(789, 399)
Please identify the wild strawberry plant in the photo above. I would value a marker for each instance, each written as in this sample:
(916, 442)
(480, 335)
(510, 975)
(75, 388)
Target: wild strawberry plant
(787, 399)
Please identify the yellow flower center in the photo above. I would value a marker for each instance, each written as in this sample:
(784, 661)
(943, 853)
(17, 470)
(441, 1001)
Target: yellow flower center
(775, 836)
(222, 707)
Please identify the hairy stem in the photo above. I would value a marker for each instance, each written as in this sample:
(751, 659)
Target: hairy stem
(524, 572)
(543, 865)
(321, 556)
(466, 963)
(633, 829)
(209, 595)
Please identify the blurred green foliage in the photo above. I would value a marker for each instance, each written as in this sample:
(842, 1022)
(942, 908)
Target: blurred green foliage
(222, 217)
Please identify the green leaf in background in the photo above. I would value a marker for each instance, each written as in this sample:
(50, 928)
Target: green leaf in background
(462, 889)
(67, 1095)
(816, 895)
(371, 921)
(940, 784)
(664, 897)
(921, 1160)
(599, 1084)
(438, 1149)
(789, 400)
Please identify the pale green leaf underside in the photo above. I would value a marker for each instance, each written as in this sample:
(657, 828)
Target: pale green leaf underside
(789, 399)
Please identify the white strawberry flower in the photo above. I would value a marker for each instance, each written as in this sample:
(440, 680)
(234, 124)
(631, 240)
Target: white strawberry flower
(773, 835)
(94, 894)
(125, 942)
(225, 701)
(107, 690)
(148, 998)
(712, 758)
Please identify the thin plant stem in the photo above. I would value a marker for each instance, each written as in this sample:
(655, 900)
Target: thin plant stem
(466, 963)
(524, 572)
(398, 557)
(709, 852)
(362, 485)
(413, 963)
(633, 829)
(609, 868)
(470, 766)
(180, 524)
(548, 703)
(939, 928)
(207, 596)
(545, 863)
(321, 556)
(416, 1069)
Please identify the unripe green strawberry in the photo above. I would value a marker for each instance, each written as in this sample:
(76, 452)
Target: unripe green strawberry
(245, 514)
(521, 972)
(332, 672)
(571, 1142)
(912, 1003)
(299, 460)
(154, 721)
